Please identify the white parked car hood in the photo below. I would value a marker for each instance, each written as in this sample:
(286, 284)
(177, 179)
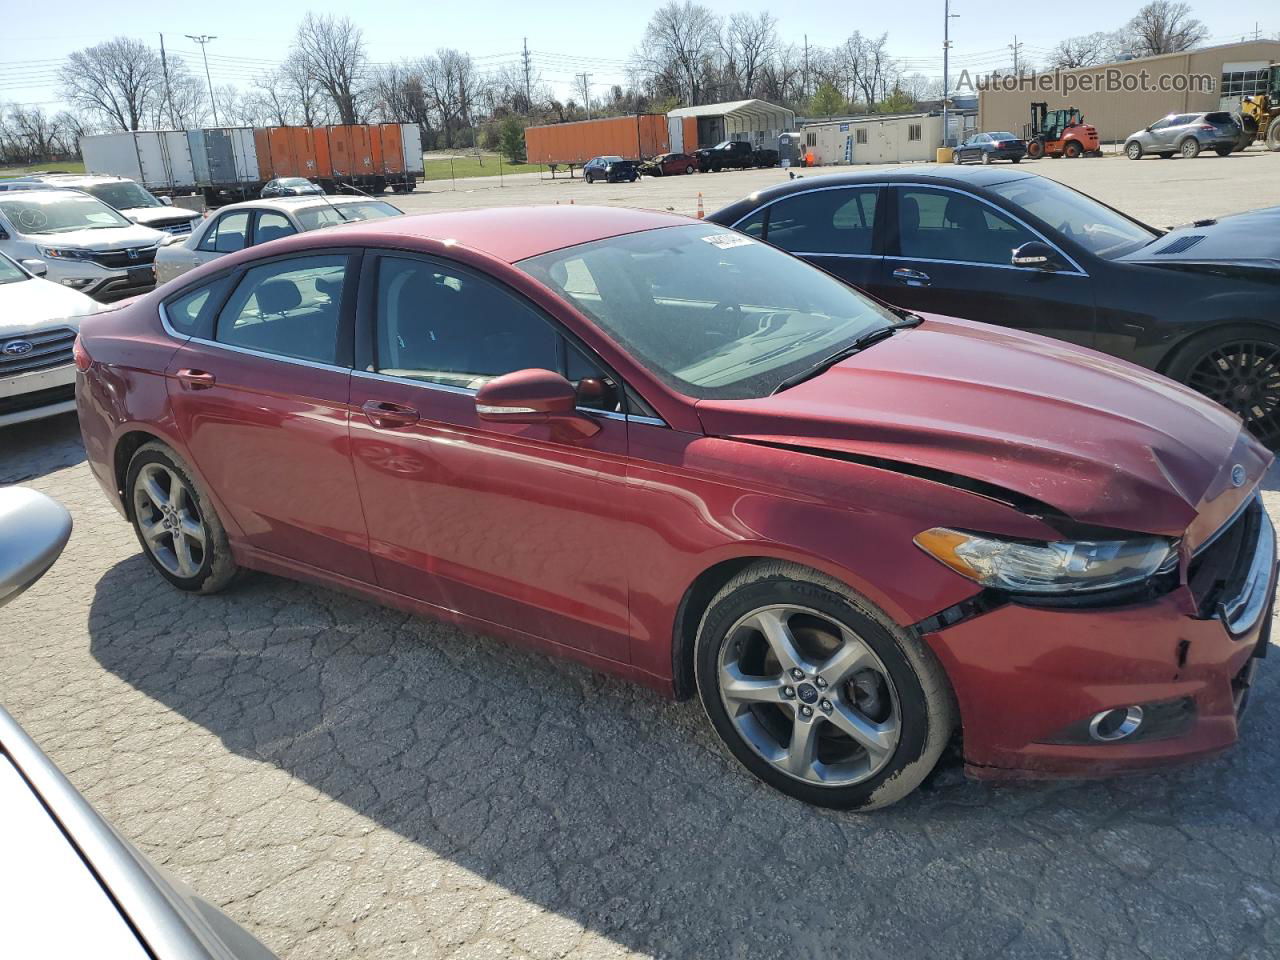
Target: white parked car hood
(146, 215)
(30, 305)
(110, 238)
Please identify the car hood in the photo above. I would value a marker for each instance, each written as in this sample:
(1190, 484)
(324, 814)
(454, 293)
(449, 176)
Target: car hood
(1243, 238)
(150, 215)
(111, 238)
(1096, 439)
(30, 305)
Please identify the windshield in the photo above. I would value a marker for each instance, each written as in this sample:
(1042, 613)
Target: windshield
(9, 272)
(1099, 229)
(294, 182)
(313, 218)
(55, 211)
(123, 196)
(711, 313)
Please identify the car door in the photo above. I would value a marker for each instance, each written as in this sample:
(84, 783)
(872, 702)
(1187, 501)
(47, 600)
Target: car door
(260, 395)
(835, 228)
(974, 148)
(512, 524)
(949, 251)
(228, 233)
(1162, 132)
(271, 225)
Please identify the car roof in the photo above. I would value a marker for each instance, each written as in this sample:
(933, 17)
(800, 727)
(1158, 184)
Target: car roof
(510, 233)
(77, 179)
(294, 203)
(939, 174)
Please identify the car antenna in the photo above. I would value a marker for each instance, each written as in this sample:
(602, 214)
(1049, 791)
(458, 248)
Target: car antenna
(354, 189)
(336, 209)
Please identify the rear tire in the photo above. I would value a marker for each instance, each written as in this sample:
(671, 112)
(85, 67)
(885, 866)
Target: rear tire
(1072, 149)
(1015, 159)
(1273, 135)
(879, 708)
(1223, 151)
(1133, 150)
(176, 523)
(986, 158)
(1189, 148)
(688, 171)
(1237, 366)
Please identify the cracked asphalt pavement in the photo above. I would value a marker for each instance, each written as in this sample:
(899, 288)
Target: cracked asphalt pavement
(349, 781)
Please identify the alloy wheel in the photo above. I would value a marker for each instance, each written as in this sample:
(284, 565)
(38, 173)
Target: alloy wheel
(1244, 376)
(809, 696)
(169, 520)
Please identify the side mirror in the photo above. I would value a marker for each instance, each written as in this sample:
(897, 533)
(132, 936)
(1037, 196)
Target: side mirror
(534, 396)
(33, 531)
(4, 234)
(37, 268)
(167, 201)
(1035, 253)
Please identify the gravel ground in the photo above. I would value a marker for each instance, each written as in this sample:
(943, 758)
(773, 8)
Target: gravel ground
(349, 781)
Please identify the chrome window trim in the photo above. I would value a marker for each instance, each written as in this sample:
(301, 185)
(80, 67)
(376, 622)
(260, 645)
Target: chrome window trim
(299, 361)
(1078, 271)
(168, 327)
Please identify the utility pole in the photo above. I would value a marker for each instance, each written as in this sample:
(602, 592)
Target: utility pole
(946, 54)
(168, 94)
(202, 39)
(586, 92)
(528, 86)
(804, 78)
(1016, 47)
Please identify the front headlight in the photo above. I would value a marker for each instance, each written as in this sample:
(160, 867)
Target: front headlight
(66, 253)
(1064, 566)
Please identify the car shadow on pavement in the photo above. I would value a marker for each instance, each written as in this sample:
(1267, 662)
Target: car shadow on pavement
(601, 803)
(39, 447)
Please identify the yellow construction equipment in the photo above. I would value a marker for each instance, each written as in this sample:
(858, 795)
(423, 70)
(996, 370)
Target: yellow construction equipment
(1260, 113)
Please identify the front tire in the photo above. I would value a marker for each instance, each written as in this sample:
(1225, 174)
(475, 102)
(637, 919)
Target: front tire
(1133, 150)
(688, 171)
(1189, 148)
(818, 693)
(589, 178)
(1238, 367)
(176, 523)
(986, 159)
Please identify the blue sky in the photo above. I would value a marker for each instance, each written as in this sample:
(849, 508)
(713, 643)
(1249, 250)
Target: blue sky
(565, 38)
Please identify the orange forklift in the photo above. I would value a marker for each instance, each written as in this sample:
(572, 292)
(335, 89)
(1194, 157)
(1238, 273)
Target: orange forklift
(1059, 133)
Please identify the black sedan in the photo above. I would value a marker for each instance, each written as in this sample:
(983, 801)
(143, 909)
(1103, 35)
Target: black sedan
(291, 187)
(989, 147)
(610, 169)
(1197, 303)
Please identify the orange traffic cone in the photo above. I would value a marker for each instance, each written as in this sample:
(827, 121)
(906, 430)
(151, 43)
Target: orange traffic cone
(701, 213)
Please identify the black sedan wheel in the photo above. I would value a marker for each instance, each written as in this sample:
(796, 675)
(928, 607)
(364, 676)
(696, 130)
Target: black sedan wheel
(1241, 372)
(986, 158)
(589, 178)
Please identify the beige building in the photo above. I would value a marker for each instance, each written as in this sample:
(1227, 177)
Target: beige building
(1119, 98)
(890, 139)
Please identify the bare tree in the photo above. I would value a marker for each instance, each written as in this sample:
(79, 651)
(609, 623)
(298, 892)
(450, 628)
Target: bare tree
(1164, 26)
(678, 44)
(119, 80)
(332, 53)
(749, 43)
(1088, 50)
(33, 131)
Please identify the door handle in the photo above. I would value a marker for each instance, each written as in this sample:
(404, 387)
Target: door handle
(389, 416)
(196, 379)
(912, 278)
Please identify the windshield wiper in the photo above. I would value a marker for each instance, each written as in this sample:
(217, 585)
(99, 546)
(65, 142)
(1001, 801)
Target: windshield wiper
(844, 353)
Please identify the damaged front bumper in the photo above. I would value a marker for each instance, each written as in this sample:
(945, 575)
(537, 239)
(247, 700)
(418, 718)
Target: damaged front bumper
(1043, 691)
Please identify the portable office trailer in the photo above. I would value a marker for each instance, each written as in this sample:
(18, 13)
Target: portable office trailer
(160, 160)
(875, 139)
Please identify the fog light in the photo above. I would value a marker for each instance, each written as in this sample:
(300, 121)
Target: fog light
(76, 281)
(1116, 724)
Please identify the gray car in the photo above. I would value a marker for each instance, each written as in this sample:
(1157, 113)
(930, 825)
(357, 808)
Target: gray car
(1185, 134)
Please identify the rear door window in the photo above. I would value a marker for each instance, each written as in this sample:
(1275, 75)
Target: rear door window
(290, 308)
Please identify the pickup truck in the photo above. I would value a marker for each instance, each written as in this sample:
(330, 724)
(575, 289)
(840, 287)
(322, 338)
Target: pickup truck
(734, 154)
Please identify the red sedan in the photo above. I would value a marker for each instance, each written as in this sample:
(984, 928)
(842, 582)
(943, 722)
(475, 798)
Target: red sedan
(683, 456)
(669, 164)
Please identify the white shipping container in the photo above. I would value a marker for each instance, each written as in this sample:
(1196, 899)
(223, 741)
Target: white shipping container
(411, 144)
(157, 159)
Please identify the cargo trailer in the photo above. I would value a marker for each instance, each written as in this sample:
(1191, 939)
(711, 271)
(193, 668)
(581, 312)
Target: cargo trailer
(159, 160)
(634, 137)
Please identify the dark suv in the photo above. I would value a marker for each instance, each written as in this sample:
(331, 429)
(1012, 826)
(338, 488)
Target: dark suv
(1185, 134)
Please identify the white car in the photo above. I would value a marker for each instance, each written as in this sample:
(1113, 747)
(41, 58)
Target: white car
(248, 224)
(38, 325)
(85, 244)
(136, 203)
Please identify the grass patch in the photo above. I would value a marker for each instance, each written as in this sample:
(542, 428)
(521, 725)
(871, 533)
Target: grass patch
(51, 166)
(438, 167)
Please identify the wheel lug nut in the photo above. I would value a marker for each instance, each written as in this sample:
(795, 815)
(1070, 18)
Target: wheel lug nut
(806, 711)
(826, 706)
(797, 674)
(821, 683)
(788, 692)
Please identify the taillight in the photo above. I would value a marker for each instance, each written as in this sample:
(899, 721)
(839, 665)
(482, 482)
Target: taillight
(80, 355)
(1207, 126)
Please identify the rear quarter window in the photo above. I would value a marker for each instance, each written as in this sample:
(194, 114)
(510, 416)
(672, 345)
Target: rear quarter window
(191, 313)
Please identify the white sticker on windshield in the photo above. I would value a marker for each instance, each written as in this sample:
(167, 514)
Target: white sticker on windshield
(726, 240)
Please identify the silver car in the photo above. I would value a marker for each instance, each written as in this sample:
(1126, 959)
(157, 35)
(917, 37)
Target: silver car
(248, 224)
(1185, 134)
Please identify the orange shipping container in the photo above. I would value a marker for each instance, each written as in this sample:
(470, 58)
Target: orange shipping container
(633, 137)
(262, 147)
(392, 147)
(350, 150)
